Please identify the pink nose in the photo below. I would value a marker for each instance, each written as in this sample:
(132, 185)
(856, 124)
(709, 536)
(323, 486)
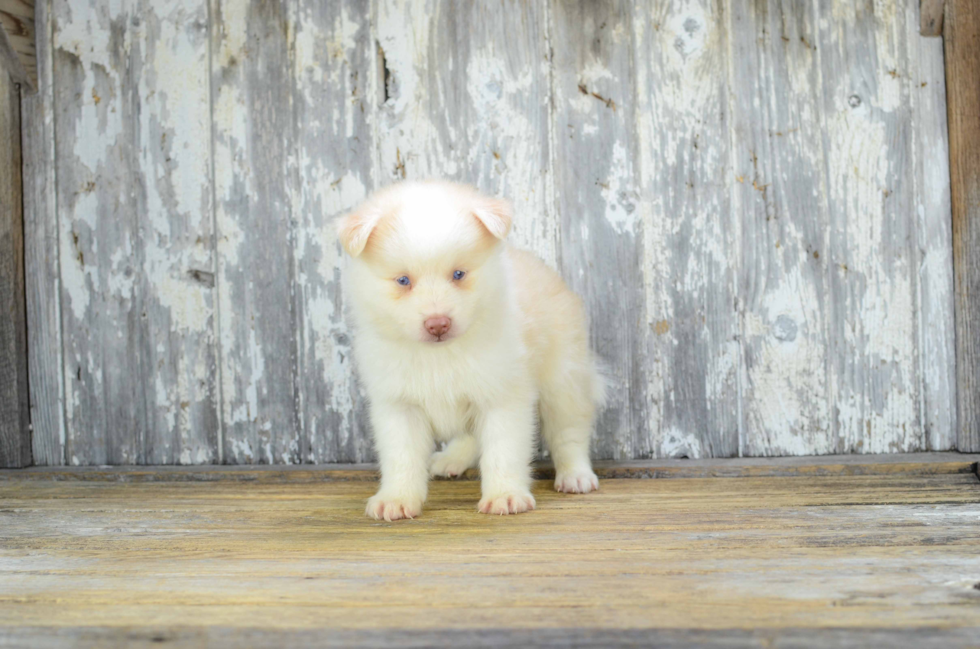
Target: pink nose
(438, 325)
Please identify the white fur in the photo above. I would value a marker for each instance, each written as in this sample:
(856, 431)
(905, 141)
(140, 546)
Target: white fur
(518, 342)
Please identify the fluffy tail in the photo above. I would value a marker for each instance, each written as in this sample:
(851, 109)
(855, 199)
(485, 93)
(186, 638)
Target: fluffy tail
(600, 382)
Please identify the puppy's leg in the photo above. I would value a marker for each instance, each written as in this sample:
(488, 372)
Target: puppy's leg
(461, 453)
(404, 443)
(567, 413)
(507, 445)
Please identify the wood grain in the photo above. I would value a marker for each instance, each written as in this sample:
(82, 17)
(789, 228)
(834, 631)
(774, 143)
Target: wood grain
(931, 17)
(761, 555)
(41, 250)
(15, 434)
(17, 22)
(961, 37)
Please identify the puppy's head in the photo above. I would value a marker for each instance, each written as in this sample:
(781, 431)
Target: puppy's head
(427, 263)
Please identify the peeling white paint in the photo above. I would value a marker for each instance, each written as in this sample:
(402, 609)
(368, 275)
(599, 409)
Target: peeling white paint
(242, 450)
(503, 131)
(76, 278)
(616, 191)
(413, 147)
(676, 443)
(787, 406)
(190, 310)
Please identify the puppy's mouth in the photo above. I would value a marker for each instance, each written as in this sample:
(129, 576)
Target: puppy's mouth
(439, 339)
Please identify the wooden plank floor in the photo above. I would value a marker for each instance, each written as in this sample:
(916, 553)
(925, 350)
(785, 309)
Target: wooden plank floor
(888, 558)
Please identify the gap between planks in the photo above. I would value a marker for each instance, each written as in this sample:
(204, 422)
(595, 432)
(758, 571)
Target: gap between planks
(805, 467)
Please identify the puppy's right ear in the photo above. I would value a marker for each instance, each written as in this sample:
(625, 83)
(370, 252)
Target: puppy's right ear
(355, 229)
(495, 214)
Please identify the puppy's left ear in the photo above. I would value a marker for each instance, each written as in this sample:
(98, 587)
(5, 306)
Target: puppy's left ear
(355, 229)
(495, 214)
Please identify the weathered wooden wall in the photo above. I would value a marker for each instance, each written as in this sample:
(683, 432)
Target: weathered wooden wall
(753, 198)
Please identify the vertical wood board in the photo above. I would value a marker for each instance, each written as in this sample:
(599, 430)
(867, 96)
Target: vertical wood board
(172, 144)
(596, 196)
(15, 434)
(41, 234)
(684, 125)
(334, 99)
(933, 262)
(961, 36)
(780, 192)
(138, 280)
(689, 266)
(867, 132)
(99, 198)
(254, 153)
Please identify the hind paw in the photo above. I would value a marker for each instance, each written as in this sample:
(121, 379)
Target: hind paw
(576, 482)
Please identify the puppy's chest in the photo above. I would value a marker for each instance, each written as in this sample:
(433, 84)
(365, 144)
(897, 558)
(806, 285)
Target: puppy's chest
(449, 418)
(448, 398)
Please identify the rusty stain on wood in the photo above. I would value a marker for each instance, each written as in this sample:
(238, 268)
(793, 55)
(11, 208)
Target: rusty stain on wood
(585, 91)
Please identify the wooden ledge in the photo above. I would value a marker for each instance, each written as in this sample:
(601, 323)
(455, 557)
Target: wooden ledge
(494, 638)
(812, 466)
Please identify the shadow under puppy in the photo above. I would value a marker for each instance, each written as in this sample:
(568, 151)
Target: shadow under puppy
(459, 337)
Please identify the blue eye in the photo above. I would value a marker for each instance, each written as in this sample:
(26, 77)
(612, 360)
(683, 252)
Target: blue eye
(459, 274)
(404, 281)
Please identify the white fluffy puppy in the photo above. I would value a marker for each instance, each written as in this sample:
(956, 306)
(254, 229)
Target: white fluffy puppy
(459, 338)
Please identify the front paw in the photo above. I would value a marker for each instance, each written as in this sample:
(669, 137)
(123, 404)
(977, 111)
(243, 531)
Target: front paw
(392, 508)
(507, 503)
(580, 481)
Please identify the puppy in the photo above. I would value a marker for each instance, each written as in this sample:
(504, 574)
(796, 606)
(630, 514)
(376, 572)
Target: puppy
(459, 338)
